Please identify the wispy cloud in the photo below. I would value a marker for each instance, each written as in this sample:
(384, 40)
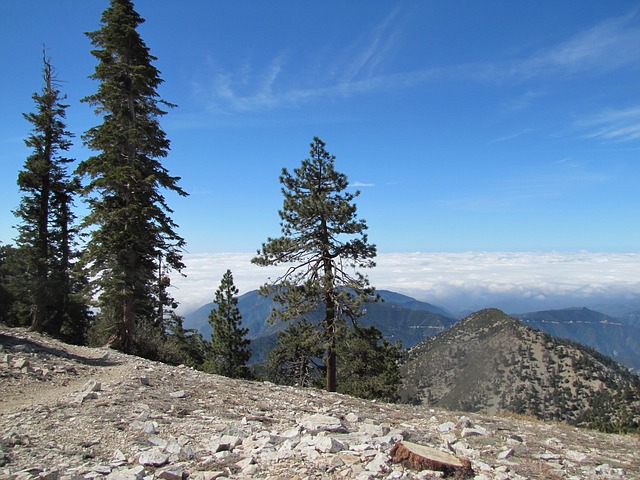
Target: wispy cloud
(613, 125)
(609, 45)
(357, 184)
(359, 69)
(370, 52)
(511, 136)
(459, 281)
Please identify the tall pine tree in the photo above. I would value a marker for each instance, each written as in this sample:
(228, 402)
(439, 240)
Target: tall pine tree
(132, 236)
(6, 298)
(324, 242)
(228, 352)
(46, 231)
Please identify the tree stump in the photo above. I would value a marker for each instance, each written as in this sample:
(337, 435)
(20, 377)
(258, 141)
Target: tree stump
(420, 457)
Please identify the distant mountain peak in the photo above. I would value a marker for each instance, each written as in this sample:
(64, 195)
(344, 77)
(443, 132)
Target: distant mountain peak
(490, 361)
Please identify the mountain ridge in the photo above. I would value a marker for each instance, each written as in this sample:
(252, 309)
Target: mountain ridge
(490, 361)
(402, 317)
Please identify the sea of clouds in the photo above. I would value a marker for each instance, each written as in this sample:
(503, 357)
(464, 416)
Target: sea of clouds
(465, 281)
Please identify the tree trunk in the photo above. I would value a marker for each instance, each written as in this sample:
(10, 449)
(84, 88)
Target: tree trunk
(420, 457)
(331, 361)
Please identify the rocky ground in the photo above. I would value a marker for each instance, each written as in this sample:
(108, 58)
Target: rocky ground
(70, 412)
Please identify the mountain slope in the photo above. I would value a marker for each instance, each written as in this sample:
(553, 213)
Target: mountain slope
(490, 361)
(610, 336)
(70, 412)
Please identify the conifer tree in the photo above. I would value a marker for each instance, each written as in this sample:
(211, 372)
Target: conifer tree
(46, 233)
(370, 366)
(228, 351)
(6, 298)
(325, 243)
(132, 232)
(293, 361)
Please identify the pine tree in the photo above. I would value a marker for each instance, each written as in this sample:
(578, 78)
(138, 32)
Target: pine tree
(132, 231)
(294, 359)
(6, 298)
(46, 234)
(370, 366)
(228, 352)
(325, 243)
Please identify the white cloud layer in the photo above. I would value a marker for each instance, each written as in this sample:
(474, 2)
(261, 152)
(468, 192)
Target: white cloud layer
(514, 281)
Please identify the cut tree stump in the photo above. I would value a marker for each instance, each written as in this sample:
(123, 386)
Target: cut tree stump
(420, 457)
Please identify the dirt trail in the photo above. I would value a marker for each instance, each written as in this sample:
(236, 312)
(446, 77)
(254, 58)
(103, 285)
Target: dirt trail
(53, 371)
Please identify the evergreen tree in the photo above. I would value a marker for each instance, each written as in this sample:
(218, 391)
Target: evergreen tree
(183, 346)
(325, 243)
(48, 288)
(132, 231)
(294, 360)
(228, 351)
(6, 298)
(370, 366)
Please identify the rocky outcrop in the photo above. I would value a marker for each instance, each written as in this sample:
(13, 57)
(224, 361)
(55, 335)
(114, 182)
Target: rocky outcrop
(77, 413)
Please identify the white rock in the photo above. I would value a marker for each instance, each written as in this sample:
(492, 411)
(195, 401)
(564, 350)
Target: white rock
(101, 469)
(209, 475)
(505, 454)
(328, 444)
(171, 473)
(245, 462)
(291, 433)
(135, 473)
(352, 418)
(575, 456)
(446, 427)
(482, 466)
(178, 394)
(373, 430)
(606, 469)
(153, 456)
(82, 396)
(92, 386)
(379, 464)
(470, 432)
(150, 427)
(464, 422)
(231, 441)
(321, 423)
(118, 456)
(157, 441)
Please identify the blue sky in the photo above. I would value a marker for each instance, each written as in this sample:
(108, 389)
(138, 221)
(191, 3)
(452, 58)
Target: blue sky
(467, 126)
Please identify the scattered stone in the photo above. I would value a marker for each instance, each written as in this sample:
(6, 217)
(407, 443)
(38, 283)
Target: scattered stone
(171, 473)
(321, 423)
(327, 444)
(464, 422)
(154, 457)
(118, 456)
(135, 473)
(446, 427)
(469, 432)
(20, 363)
(178, 394)
(150, 427)
(505, 454)
(92, 386)
(245, 462)
(575, 456)
(260, 430)
(82, 396)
